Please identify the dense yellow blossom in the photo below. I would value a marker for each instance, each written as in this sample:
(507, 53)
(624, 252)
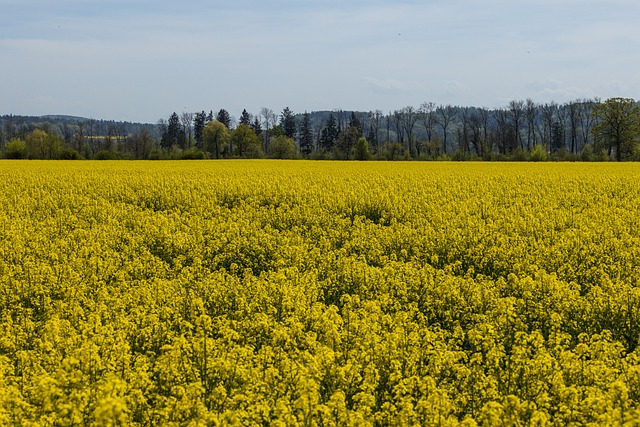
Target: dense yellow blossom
(319, 294)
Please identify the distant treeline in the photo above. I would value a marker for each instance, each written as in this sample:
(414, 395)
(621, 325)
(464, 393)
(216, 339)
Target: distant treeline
(588, 129)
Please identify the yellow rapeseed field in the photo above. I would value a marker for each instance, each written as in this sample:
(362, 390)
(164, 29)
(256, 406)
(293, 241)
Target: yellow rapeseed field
(319, 294)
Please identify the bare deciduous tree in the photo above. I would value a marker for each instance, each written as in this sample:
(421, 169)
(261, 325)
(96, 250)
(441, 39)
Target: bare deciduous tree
(427, 117)
(531, 112)
(516, 108)
(408, 119)
(269, 118)
(444, 118)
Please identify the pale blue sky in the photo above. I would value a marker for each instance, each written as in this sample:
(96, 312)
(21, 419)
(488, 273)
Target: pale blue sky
(140, 60)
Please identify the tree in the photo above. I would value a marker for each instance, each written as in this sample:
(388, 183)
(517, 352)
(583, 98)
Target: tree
(617, 126)
(505, 137)
(16, 149)
(586, 120)
(574, 123)
(215, 136)
(516, 108)
(341, 119)
(484, 120)
(256, 126)
(187, 121)
(224, 118)
(375, 120)
(65, 130)
(199, 122)
(245, 118)
(329, 133)
(557, 136)
(397, 123)
(174, 134)
(269, 119)
(37, 144)
(8, 128)
(408, 118)
(276, 130)
(346, 142)
(548, 120)
(477, 138)
(561, 117)
(140, 143)
(445, 116)
(306, 135)
(283, 148)
(531, 112)
(288, 122)
(427, 117)
(246, 142)
(465, 131)
(354, 122)
(362, 149)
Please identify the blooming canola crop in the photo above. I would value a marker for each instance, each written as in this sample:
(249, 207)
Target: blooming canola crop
(319, 293)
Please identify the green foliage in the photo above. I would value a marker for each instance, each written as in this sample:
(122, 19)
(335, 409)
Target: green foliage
(393, 151)
(463, 155)
(106, 155)
(538, 154)
(215, 136)
(288, 123)
(282, 147)
(346, 142)
(246, 143)
(329, 134)
(362, 149)
(618, 126)
(174, 134)
(564, 155)
(306, 135)
(16, 149)
(38, 144)
(193, 154)
(245, 118)
(199, 122)
(224, 117)
(69, 154)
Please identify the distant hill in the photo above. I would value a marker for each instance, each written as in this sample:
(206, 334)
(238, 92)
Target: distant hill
(63, 118)
(21, 125)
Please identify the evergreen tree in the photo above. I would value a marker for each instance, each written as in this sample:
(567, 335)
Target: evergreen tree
(198, 127)
(224, 118)
(245, 118)
(288, 123)
(256, 126)
(306, 135)
(329, 133)
(372, 135)
(355, 123)
(174, 134)
(210, 117)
